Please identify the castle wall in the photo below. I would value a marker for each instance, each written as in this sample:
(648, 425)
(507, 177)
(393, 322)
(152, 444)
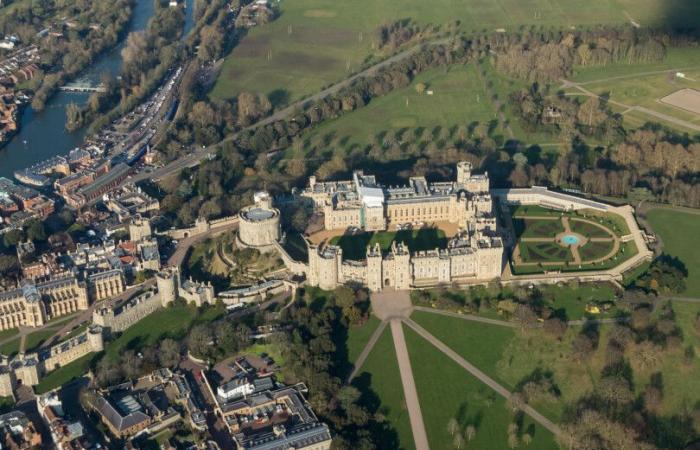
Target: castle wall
(128, 314)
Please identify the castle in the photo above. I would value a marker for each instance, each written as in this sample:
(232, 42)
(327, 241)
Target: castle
(27, 369)
(475, 253)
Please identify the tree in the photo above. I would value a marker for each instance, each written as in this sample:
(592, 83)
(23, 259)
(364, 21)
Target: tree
(199, 340)
(9, 266)
(130, 364)
(452, 426)
(12, 238)
(458, 440)
(36, 231)
(470, 432)
(169, 353)
(555, 327)
(420, 88)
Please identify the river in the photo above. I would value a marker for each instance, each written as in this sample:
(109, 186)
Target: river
(43, 134)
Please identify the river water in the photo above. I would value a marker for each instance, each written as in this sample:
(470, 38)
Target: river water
(42, 134)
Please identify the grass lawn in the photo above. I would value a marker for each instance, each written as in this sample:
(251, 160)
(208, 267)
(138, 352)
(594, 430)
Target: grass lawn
(459, 98)
(382, 391)
(34, 340)
(538, 228)
(510, 360)
(355, 245)
(536, 252)
(588, 229)
(680, 234)
(10, 348)
(172, 322)
(571, 300)
(316, 42)
(446, 391)
(64, 374)
(359, 336)
(595, 250)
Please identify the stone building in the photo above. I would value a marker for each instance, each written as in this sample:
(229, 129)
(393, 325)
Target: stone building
(259, 224)
(27, 369)
(467, 258)
(476, 253)
(34, 302)
(364, 203)
(105, 284)
(116, 320)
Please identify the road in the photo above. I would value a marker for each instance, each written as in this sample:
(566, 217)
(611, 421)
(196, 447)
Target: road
(420, 437)
(192, 159)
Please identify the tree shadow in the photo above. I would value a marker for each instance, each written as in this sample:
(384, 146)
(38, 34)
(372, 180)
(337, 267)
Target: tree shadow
(279, 97)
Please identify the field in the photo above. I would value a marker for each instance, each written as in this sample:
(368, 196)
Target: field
(644, 85)
(355, 245)
(459, 98)
(680, 234)
(383, 392)
(64, 374)
(316, 42)
(513, 355)
(447, 391)
(688, 99)
(359, 336)
(173, 322)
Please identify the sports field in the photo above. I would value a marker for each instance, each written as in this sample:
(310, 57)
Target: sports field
(680, 235)
(316, 42)
(645, 85)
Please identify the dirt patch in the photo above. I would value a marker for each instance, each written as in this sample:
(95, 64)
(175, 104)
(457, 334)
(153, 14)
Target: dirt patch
(325, 36)
(303, 60)
(252, 47)
(687, 99)
(319, 13)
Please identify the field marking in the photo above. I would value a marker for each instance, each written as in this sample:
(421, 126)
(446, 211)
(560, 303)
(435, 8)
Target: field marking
(636, 75)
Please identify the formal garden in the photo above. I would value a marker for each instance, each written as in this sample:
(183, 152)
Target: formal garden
(554, 240)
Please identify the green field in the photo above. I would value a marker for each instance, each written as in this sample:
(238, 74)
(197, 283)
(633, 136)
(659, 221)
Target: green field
(316, 42)
(544, 252)
(680, 234)
(359, 336)
(588, 229)
(172, 322)
(447, 391)
(64, 374)
(595, 250)
(537, 228)
(513, 359)
(383, 392)
(459, 98)
(355, 245)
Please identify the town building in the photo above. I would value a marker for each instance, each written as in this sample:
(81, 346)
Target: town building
(18, 432)
(274, 418)
(66, 432)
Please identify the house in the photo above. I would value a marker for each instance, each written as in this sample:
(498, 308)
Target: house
(18, 432)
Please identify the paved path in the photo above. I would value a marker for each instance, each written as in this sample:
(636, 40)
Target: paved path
(360, 361)
(420, 437)
(481, 376)
(470, 317)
